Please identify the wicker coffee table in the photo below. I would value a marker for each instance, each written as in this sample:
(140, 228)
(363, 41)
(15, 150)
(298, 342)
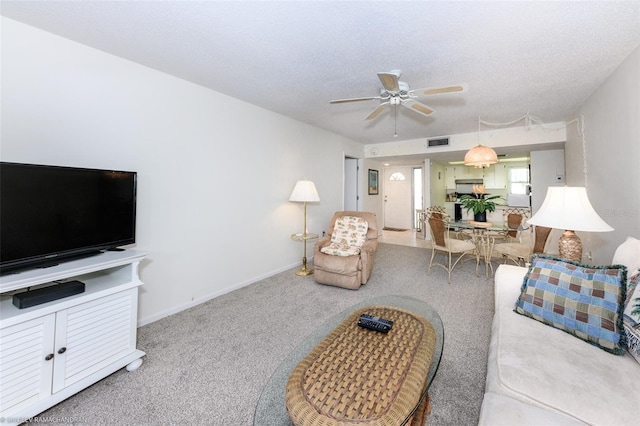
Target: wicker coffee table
(344, 374)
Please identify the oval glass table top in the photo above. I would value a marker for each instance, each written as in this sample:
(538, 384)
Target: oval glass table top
(271, 409)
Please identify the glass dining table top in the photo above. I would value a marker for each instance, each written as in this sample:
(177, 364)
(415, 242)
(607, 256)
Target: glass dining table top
(489, 226)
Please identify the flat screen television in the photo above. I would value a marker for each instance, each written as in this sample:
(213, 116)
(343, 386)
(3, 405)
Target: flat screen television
(50, 214)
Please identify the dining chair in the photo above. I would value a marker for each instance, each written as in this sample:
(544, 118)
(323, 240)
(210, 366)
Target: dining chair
(533, 242)
(513, 218)
(442, 242)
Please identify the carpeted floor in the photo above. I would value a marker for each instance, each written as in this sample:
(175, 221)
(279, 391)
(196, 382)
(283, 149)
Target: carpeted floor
(209, 364)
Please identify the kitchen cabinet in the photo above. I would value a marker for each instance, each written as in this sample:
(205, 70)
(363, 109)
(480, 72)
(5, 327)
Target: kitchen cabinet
(51, 351)
(450, 178)
(453, 173)
(495, 176)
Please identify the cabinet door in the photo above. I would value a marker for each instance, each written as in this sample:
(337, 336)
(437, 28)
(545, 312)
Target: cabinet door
(449, 178)
(92, 335)
(500, 176)
(495, 177)
(25, 371)
(475, 172)
(489, 177)
(462, 172)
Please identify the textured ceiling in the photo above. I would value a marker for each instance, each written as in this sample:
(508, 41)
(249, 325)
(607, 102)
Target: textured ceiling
(292, 57)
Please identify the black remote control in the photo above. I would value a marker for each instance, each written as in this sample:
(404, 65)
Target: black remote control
(371, 322)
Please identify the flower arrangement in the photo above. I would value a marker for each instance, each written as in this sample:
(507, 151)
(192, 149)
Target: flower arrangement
(479, 203)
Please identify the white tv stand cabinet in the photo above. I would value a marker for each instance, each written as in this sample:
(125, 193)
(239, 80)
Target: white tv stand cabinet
(51, 351)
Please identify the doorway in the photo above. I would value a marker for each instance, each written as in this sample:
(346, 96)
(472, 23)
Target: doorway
(352, 199)
(397, 198)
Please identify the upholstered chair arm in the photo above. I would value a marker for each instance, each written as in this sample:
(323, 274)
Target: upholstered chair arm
(322, 242)
(366, 256)
(369, 247)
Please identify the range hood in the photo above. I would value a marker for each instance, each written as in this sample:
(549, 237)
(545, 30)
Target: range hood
(465, 186)
(469, 181)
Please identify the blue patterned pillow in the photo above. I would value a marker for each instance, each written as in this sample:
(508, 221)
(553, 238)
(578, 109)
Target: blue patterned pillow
(585, 301)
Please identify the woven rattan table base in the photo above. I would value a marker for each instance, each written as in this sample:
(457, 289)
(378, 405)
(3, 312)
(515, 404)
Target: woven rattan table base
(360, 376)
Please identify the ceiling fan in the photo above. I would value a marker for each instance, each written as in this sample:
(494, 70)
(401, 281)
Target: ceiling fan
(396, 92)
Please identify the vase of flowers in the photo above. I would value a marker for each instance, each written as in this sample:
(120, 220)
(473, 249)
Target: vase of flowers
(479, 203)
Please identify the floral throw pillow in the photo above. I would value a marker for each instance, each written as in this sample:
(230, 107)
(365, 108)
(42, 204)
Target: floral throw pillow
(631, 316)
(585, 301)
(349, 235)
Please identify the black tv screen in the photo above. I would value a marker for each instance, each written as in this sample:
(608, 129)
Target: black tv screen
(52, 213)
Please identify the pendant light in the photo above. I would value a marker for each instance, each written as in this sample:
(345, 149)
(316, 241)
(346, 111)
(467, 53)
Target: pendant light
(480, 155)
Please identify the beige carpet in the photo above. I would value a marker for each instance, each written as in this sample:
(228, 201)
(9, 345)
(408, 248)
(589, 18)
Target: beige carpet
(208, 365)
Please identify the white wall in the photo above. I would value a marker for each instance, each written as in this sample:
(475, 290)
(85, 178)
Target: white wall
(435, 180)
(214, 173)
(373, 203)
(551, 133)
(547, 169)
(612, 147)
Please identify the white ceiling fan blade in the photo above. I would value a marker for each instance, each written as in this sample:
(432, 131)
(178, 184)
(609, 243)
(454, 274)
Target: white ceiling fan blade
(458, 88)
(390, 80)
(377, 111)
(418, 107)
(341, 101)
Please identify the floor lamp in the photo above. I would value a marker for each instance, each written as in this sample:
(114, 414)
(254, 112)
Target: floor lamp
(568, 208)
(305, 192)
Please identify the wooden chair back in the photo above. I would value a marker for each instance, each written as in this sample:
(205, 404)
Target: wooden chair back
(540, 240)
(438, 228)
(514, 218)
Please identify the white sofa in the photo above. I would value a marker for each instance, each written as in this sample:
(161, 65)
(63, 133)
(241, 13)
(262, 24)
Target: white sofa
(539, 375)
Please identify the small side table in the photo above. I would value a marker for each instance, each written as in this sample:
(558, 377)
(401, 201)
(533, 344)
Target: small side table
(304, 237)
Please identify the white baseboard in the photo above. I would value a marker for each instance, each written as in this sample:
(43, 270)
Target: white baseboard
(191, 304)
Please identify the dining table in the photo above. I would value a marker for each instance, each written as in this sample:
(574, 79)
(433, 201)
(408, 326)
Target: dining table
(483, 235)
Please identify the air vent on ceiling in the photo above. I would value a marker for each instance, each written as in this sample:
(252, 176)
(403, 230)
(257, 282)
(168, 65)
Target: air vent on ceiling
(437, 142)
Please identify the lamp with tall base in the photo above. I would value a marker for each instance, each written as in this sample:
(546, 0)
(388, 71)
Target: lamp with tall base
(568, 208)
(304, 192)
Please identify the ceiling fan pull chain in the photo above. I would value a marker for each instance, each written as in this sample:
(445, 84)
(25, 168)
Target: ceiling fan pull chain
(395, 121)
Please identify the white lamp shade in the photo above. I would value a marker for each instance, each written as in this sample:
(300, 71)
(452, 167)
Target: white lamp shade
(304, 191)
(568, 208)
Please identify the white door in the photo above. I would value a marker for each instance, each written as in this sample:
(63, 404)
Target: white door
(350, 184)
(397, 197)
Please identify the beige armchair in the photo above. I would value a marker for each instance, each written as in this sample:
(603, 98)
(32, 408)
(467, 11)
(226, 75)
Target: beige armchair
(341, 263)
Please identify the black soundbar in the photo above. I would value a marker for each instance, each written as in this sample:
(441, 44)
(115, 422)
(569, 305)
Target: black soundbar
(30, 298)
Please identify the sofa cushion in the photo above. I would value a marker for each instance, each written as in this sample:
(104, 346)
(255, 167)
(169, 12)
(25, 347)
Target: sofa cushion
(631, 316)
(349, 234)
(628, 254)
(502, 410)
(584, 301)
(546, 367)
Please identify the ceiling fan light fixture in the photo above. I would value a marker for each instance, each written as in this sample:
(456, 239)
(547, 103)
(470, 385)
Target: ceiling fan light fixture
(480, 156)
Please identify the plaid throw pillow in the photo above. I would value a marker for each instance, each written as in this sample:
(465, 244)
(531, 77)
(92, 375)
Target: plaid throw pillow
(585, 301)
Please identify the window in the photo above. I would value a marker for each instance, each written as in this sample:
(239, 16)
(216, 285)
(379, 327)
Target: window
(518, 180)
(397, 176)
